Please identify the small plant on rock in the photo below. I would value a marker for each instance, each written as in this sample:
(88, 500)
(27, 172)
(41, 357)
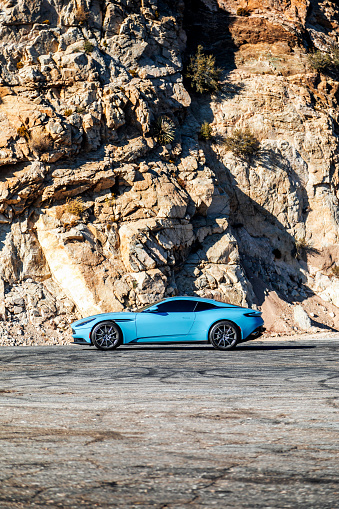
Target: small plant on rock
(75, 206)
(88, 47)
(203, 73)
(80, 109)
(23, 132)
(46, 22)
(68, 113)
(40, 142)
(19, 65)
(335, 271)
(164, 130)
(320, 61)
(133, 72)
(242, 11)
(242, 143)
(205, 132)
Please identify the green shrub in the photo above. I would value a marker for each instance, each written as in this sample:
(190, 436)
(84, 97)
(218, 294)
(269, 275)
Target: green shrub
(320, 61)
(205, 132)
(88, 47)
(164, 130)
(242, 143)
(203, 73)
(242, 11)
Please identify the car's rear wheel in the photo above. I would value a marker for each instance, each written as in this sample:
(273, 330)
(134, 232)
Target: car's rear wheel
(106, 336)
(224, 335)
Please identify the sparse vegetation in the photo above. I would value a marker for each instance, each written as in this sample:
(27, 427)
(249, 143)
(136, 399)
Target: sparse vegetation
(68, 113)
(242, 11)
(203, 73)
(80, 109)
(88, 47)
(164, 130)
(75, 206)
(181, 182)
(335, 271)
(301, 246)
(133, 72)
(23, 132)
(205, 132)
(19, 65)
(46, 22)
(320, 61)
(81, 16)
(242, 143)
(40, 142)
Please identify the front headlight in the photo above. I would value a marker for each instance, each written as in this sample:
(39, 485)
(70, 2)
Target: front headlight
(85, 322)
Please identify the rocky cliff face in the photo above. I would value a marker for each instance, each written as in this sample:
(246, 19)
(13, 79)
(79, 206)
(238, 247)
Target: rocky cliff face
(96, 215)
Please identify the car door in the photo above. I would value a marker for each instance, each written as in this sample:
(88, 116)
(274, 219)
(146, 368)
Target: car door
(168, 321)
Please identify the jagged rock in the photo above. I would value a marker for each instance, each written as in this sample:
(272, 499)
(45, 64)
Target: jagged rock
(96, 216)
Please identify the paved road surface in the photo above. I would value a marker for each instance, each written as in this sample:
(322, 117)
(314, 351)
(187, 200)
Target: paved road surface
(179, 427)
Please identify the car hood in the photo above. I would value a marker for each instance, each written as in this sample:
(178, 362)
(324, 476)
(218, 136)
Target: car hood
(122, 316)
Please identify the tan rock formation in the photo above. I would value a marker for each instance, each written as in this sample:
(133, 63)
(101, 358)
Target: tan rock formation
(80, 92)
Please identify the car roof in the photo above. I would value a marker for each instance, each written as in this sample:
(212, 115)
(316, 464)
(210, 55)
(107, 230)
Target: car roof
(200, 299)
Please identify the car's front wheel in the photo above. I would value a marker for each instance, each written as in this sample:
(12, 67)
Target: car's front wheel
(224, 335)
(106, 336)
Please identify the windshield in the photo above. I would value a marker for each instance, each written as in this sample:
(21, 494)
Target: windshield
(148, 306)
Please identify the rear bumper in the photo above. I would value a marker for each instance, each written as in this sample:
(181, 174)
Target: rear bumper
(257, 332)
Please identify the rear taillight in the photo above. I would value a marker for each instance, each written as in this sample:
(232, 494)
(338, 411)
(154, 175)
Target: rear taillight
(253, 313)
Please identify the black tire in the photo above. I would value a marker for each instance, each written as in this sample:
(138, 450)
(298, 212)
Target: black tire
(224, 335)
(106, 336)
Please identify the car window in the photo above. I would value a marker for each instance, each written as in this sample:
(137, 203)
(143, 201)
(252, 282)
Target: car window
(177, 306)
(205, 306)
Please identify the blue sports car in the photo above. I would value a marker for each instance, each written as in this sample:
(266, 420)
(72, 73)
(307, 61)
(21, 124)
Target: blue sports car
(173, 320)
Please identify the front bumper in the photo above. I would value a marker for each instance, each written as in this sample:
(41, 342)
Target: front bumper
(81, 341)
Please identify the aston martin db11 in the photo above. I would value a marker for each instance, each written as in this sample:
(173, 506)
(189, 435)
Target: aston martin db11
(172, 320)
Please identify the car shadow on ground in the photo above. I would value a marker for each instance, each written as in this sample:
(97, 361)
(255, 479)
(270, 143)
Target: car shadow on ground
(210, 348)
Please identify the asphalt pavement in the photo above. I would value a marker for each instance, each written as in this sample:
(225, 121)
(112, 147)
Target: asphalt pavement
(170, 427)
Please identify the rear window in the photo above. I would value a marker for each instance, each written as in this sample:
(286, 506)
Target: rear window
(205, 306)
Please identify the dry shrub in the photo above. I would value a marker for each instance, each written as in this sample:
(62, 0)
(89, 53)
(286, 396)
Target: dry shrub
(19, 65)
(81, 15)
(335, 271)
(181, 182)
(242, 143)
(242, 11)
(68, 113)
(40, 141)
(23, 132)
(75, 206)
